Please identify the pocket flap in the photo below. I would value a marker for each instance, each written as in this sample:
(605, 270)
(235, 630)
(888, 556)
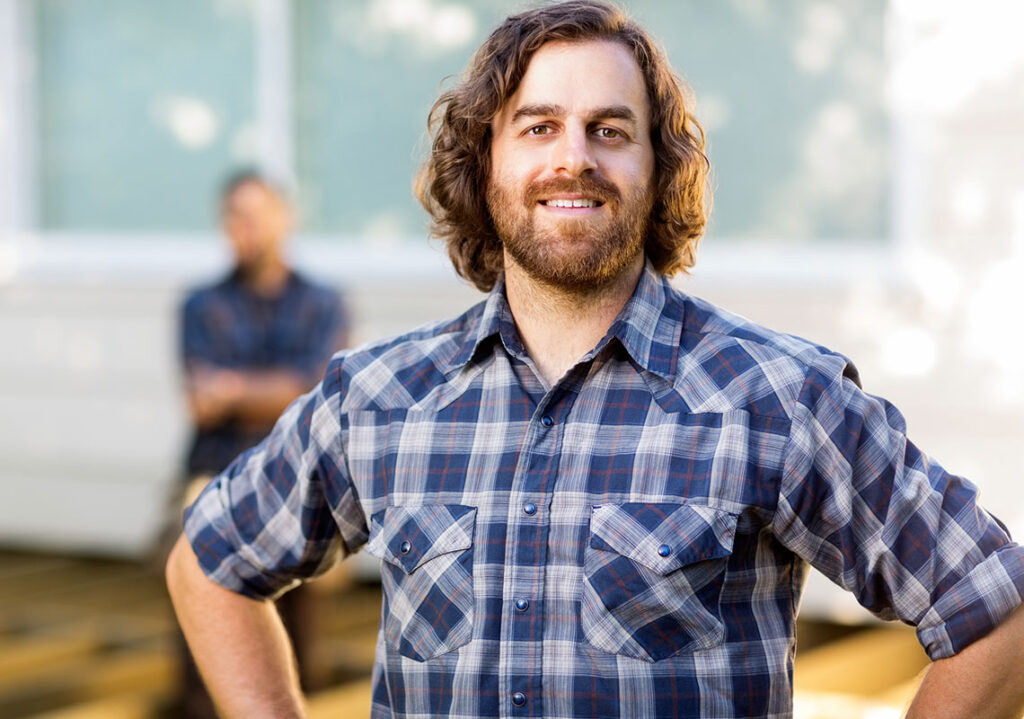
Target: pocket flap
(663, 537)
(409, 536)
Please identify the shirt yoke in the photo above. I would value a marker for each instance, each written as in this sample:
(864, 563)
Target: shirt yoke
(726, 363)
(731, 363)
(403, 371)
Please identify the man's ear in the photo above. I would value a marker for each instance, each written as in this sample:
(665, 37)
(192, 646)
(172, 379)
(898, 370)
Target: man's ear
(289, 218)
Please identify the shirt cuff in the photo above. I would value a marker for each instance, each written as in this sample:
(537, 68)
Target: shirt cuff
(221, 553)
(973, 607)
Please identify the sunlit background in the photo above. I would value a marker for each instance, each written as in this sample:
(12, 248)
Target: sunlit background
(869, 194)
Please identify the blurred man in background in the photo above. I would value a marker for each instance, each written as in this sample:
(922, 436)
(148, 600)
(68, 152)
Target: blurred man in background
(251, 343)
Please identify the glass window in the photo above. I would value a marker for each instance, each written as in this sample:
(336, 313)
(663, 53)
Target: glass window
(143, 106)
(367, 74)
(789, 92)
(791, 95)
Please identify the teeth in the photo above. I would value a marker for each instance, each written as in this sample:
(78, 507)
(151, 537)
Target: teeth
(570, 203)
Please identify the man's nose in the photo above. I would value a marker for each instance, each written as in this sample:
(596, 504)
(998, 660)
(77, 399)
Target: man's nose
(573, 154)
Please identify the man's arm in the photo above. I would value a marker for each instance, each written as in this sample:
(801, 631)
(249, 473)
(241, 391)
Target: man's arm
(239, 644)
(983, 680)
(253, 397)
(864, 505)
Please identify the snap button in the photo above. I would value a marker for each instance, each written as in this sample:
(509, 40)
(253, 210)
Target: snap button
(405, 547)
(664, 550)
(546, 420)
(522, 604)
(530, 508)
(518, 699)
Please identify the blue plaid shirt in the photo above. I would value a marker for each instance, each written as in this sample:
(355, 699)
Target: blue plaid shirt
(228, 326)
(631, 542)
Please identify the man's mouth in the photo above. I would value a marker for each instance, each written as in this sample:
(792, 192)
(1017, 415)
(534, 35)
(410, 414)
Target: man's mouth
(572, 203)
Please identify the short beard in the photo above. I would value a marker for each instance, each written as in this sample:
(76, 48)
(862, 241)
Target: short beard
(576, 257)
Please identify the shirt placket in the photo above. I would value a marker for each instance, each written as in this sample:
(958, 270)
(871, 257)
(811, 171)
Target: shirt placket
(522, 633)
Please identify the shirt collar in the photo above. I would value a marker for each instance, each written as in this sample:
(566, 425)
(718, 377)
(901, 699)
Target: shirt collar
(489, 322)
(649, 326)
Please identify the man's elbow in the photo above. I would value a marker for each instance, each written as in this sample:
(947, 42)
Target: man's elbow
(181, 565)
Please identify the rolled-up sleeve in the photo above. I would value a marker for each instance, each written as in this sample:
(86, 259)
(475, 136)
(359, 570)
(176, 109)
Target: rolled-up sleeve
(284, 510)
(862, 504)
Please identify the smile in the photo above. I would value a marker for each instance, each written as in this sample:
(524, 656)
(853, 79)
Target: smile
(571, 203)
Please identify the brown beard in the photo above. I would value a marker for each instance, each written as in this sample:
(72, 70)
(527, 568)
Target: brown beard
(576, 256)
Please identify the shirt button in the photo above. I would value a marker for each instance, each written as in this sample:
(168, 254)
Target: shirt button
(530, 508)
(522, 604)
(546, 420)
(664, 550)
(518, 699)
(405, 547)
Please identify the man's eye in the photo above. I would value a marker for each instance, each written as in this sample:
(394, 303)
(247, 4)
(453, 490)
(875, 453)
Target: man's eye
(608, 133)
(539, 130)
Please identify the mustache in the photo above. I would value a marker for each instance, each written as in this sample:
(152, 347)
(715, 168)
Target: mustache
(593, 186)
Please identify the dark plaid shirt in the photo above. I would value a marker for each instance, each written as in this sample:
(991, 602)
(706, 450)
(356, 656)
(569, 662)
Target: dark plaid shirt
(631, 542)
(228, 326)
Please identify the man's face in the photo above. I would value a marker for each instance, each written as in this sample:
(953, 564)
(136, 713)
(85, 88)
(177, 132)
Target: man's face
(572, 165)
(256, 221)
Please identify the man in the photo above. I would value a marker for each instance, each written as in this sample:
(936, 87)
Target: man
(594, 496)
(252, 343)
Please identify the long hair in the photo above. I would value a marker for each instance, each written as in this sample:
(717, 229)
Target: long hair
(452, 184)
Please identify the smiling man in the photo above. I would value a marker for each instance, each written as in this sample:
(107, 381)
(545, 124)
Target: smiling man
(570, 191)
(593, 495)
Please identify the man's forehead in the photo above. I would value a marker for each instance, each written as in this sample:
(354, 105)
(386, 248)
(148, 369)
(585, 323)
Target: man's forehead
(252, 190)
(598, 74)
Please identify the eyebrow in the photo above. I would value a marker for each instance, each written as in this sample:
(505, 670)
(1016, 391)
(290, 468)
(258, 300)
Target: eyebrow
(611, 112)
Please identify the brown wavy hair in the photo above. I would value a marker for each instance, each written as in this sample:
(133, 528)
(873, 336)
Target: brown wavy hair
(452, 183)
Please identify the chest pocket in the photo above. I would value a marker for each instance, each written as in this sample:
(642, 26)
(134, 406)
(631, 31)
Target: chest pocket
(654, 573)
(427, 576)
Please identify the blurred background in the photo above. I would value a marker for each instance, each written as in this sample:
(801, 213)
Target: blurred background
(869, 194)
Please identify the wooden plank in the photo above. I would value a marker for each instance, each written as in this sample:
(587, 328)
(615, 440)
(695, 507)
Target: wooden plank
(137, 705)
(354, 608)
(348, 700)
(902, 694)
(90, 638)
(116, 624)
(815, 705)
(352, 652)
(91, 679)
(26, 655)
(16, 566)
(113, 625)
(73, 579)
(126, 673)
(865, 664)
(17, 677)
(131, 591)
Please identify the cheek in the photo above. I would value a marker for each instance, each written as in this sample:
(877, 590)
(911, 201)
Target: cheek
(503, 176)
(634, 170)
(280, 224)
(650, 169)
(517, 165)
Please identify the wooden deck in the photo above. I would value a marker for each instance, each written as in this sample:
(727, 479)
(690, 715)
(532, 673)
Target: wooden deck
(93, 639)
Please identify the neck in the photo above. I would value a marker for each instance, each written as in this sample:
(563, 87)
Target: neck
(559, 325)
(266, 278)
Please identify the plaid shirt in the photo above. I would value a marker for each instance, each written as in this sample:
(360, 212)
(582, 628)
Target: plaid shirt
(630, 543)
(228, 326)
